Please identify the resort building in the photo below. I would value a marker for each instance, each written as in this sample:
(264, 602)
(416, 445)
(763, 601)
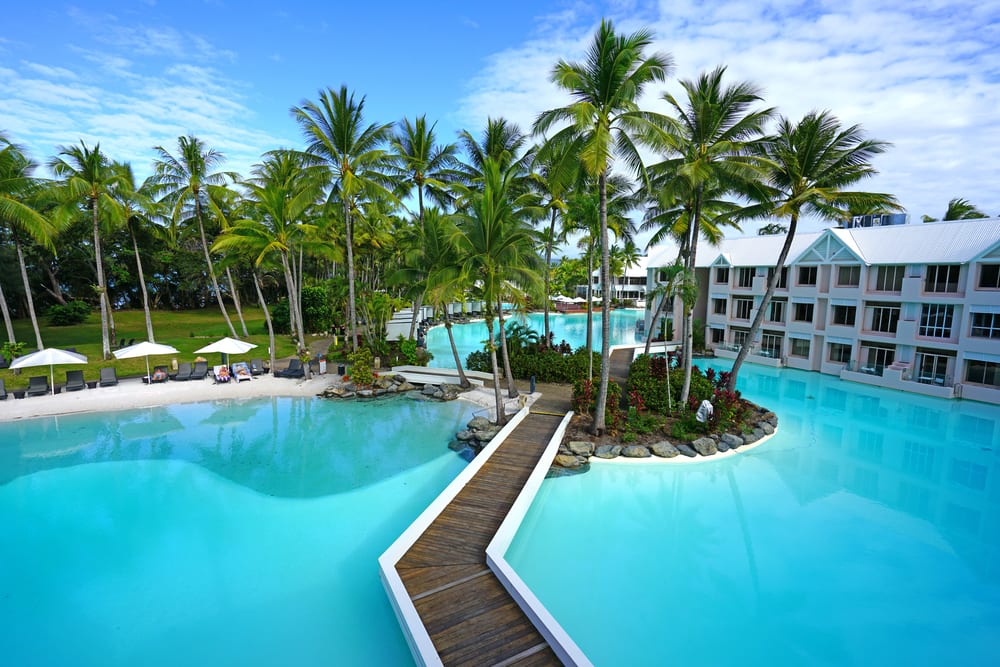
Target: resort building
(628, 285)
(914, 307)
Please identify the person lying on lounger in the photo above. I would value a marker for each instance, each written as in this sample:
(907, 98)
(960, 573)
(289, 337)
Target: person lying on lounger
(222, 374)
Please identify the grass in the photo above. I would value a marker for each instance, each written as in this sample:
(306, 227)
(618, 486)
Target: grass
(186, 330)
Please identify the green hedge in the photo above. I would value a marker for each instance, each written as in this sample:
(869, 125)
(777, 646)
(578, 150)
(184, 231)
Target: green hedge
(648, 377)
(546, 366)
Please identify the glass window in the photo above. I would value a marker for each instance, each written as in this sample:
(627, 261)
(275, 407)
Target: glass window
(986, 325)
(936, 319)
(744, 276)
(800, 347)
(743, 308)
(719, 306)
(776, 310)
(807, 275)
(840, 353)
(989, 276)
(722, 275)
(782, 281)
(848, 276)
(770, 345)
(889, 278)
(942, 278)
(885, 318)
(740, 337)
(874, 358)
(983, 372)
(803, 312)
(718, 336)
(844, 315)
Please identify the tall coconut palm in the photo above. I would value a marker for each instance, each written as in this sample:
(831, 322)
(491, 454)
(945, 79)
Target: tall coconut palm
(497, 250)
(712, 144)
(138, 206)
(18, 192)
(184, 179)
(335, 131)
(961, 209)
(810, 165)
(606, 116)
(88, 177)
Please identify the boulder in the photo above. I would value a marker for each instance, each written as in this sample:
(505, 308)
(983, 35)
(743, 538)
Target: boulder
(568, 461)
(664, 449)
(581, 447)
(752, 437)
(405, 386)
(608, 451)
(635, 452)
(465, 435)
(429, 390)
(687, 450)
(479, 424)
(766, 428)
(732, 440)
(723, 447)
(705, 446)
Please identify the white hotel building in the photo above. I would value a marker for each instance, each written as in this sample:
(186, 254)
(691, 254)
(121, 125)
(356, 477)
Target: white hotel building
(914, 307)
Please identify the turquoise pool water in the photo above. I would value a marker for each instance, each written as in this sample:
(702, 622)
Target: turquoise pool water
(226, 533)
(866, 532)
(571, 328)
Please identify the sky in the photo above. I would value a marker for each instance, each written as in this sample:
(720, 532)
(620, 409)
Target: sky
(922, 75)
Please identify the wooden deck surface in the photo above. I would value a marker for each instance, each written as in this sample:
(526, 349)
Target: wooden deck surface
(467, 612)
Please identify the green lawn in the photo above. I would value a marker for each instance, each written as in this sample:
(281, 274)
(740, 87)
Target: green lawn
(186, 330)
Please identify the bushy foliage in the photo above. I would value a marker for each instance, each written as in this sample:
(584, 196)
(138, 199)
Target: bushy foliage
(74, 312)
(280, 319)
(408, 350)
(362, 371)
(545, 365)
(317, 313)
(647, 379)
(585, 402)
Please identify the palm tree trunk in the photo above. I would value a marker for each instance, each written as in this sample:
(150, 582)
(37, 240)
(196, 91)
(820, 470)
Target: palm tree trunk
(296, 323)
(501, 416)
(267, 318)
(652, 322)
(511, 389)
(10, 325)
(548, 264)
(101, 288)
(462, 380)
(758, 319)
(351, 305)
(693, 234)
(598, 427)
(417, 303)
(236, 302)
(211, 268)
(145, 292)
(27, 293)
(590, 313)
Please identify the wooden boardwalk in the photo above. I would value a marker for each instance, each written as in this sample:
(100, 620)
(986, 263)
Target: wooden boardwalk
(469, 615)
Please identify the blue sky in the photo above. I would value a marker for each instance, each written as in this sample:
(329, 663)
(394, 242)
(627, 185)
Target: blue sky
(131, 75)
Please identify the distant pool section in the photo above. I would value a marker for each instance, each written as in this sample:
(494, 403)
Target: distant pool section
(569, 327)
(225, 533)
(866, 532)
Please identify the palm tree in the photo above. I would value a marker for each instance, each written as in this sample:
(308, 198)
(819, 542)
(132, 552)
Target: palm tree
(961, 209)
(335, 131)
(772, 229)
(606, 116)
(496, 249)
(88, 176)
(138, 206)
(811, 163)
(18, 190)
(711, 146)
(184, 180)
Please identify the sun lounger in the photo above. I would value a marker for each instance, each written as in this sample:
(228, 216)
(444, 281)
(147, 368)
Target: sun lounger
(294, 370)
(159, 375)
(109, 377)
(3, 391)
(38, 385)
(3, 362)
(256, 367)
(200, 370)
(221, 373)
(74, 381)
(183, 373)
(241, 371)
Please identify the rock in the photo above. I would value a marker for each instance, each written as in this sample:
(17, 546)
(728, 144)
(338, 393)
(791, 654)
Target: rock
(437, 394)
(723, 447)
(581, 447)
(687, 450)
(464, 436)
(664, 449)
(635, 452)
(608, 451)
(752, 437)
(479, 424)
(568, 461)
(488, 434)
(429, 390)
(705, 446)
(732, 440)
(770, 418)
(405, 386)
(766, 428)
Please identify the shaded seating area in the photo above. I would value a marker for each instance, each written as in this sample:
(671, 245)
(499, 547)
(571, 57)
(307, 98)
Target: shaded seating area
(159, 375)
(221, 373)
(257, 367)
(38, 385)
(183, 373)
(241, 371)
(199, 371)
(109, 377)
(74, 381)
(294, 370)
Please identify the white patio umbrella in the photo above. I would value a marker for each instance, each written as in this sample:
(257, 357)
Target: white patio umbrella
(49, 356)
(226, 346)
(144, 349)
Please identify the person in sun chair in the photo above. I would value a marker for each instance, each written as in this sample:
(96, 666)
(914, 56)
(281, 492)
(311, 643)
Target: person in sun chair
(241, 371)
(222, 374)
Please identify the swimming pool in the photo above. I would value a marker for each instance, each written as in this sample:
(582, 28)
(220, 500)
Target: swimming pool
(569, 327)
(866, 532)
(238, 532)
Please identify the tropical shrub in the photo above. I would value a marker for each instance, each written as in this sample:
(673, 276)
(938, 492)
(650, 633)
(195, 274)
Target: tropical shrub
(362, 370)
(73, 312)
(647, 379)
(584, 402)
(545, 365)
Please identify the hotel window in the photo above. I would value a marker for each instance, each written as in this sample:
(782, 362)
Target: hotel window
(840, 353)
(986, 325)
(932, 368)
(874, 358)
(982, 372)
(782, 281)
(743, 308)
(770, 345)
(889, 278)
(989, 276)
(848, 276)
(885, 319)
(740, 337)
(844, 315)
(718, 336)
(722, 275)
(942, 278)
(744, 276)
(803, 312)
(936, 319)
(719, 306)
(807, 275)
(800, 347)
(776, 310)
